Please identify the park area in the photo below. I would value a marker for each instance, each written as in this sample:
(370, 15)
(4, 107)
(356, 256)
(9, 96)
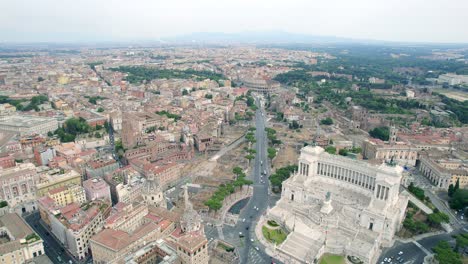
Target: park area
(274, 235)
(332, 259)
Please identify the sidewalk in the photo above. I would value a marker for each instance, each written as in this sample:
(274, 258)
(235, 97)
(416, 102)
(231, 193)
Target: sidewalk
(418, 237)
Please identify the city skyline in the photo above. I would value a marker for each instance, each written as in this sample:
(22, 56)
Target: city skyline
(89, 21)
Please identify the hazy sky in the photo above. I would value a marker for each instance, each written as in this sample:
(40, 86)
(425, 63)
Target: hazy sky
(100, 20)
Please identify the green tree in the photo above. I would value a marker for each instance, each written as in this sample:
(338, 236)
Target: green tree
(437, 218)
(418, 192)
(459, 199)
(281, 175)
(330, 149)
(106, 125)
(279, 116)
(118, 147)
(251, 151)
(451, 190)
(457, 185)
(294, 125)
(213, 204)
(462, 241)
(100, 110)
(343, 152)
(208, 96)
(445, 254)
(382, 133)
(185, 92)
(326, 121)
(237, 170)
(250, 157)
(271, 153)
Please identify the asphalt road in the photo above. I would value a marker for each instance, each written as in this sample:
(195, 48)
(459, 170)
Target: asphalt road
(415, 251)
(250, 250)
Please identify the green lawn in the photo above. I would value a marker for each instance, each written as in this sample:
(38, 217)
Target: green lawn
(276, 236)
(332, 259)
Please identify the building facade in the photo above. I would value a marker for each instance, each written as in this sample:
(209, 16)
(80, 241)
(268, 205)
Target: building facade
(402, 153)
(28, 125)
(97, 189)
(73, 225)
(52, 179)
(341, 206)
(68, 194)
(443, 170)
(18, 187)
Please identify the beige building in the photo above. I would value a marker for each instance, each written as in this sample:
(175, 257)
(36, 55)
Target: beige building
(73, 225)
(442, 169)
(358, 204)
(53, 179)
(18, 187)
(28, 125)
(18, 242)
(402, 153)
(134, 126)
(68, 194)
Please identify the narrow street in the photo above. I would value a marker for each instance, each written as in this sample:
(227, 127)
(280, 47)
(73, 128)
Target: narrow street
(52, 247)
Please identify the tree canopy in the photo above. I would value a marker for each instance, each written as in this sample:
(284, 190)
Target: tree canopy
(382, 133)
(326, 121)
(459, 199)
(281, 175)
(138, 74)
(445, 254)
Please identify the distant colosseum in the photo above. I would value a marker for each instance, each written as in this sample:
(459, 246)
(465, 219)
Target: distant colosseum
(261, 85)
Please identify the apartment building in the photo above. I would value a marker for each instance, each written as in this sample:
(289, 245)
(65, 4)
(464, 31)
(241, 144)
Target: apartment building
(73, 225)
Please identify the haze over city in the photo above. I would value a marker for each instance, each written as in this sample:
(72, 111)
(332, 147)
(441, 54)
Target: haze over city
(233, 132)
(147, 20)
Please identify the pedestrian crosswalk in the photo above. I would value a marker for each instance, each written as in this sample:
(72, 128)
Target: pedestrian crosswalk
(254, 256)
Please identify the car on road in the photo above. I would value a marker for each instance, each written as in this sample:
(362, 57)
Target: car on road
(251, 240)
(243, 220)
(400, 253)
(257, 248)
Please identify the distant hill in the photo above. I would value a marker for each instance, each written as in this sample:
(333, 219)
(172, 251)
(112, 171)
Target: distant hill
(260, 37)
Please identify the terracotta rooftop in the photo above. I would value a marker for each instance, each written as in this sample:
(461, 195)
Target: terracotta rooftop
(192, 241)
(117, 239)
